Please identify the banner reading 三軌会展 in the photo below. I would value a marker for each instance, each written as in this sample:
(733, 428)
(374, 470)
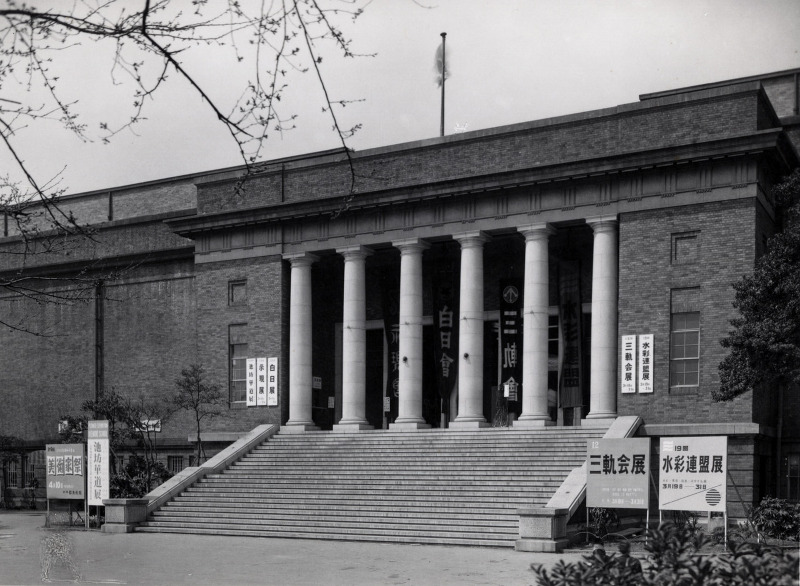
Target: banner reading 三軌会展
(618, 474)
(693, 473)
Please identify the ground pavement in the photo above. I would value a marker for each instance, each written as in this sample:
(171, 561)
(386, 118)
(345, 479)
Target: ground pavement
(139, 558)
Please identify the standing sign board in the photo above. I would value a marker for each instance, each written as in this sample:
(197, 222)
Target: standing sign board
(693, 473)
(618, 474)
(99, 478)
(65, 475)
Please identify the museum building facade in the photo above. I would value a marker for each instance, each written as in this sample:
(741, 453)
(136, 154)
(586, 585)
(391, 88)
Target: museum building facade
(557, 272)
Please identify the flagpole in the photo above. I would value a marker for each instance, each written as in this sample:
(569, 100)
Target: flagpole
(444, 76)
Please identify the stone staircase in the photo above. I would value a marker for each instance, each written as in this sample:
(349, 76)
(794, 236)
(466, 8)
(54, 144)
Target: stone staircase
(431, 486)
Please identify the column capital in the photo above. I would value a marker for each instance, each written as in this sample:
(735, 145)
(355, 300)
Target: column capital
(411, 245)
(472, 239)
(537, 231)
(299, 259)
(354, 252)
(603, 223)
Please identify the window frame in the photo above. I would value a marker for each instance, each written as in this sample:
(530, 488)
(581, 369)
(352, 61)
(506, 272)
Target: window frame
(234, 286)
(232, 371)
(683, 360)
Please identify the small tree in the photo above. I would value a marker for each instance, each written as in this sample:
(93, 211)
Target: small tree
(765, 341)
(203, 400)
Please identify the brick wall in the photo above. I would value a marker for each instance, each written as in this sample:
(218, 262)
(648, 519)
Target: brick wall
(647, 275)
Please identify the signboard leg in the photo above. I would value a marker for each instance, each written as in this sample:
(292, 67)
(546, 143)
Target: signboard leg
(647, 525)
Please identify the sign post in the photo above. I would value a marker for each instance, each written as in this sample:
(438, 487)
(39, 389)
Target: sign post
(98, 450)
(65, 476)
(618, 475)
(694, 475)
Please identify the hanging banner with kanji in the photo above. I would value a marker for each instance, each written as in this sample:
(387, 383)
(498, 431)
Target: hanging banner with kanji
(445, 328)
(628, 364)
(646, 363)
(618, 474)
(693, 473)
(251, 382)
(272, 381)
(261, 381)
(569, 315)
(511, 338)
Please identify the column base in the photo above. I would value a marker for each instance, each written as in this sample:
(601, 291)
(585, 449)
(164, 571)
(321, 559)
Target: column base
(408, 426)
(347, 427)
(532, 423)
(297, 428)
(597, 421)
(468, 424)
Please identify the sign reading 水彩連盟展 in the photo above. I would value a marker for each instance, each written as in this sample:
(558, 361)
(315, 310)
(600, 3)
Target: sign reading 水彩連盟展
(98, 460)
(693, 473)
(618, 473)
(65, 477)
(646, 363)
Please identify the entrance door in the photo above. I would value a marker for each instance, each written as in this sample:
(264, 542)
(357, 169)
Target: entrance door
(375, 383)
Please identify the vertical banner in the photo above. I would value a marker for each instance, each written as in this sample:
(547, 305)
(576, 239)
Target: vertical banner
(390, 294)
(445, 326)
(98, 461)
(251, 382)
(511, 339)
(646, 363)
(272, 381)
(65, 477)
(618, 473)
(693, 473)
(569, 314)
(628, 364)
(261, 381)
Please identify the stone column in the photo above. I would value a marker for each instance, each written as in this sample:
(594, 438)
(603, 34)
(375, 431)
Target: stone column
(409, 414)
(603, 371)
(535, 323)
(300, 334)
(354, 340)
(470, 332)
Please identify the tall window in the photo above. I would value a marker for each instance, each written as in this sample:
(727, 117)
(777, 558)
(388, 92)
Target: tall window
(12, 474)
(237, 362)
(684, 361)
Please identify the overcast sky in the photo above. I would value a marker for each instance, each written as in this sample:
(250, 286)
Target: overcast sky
(510, 61)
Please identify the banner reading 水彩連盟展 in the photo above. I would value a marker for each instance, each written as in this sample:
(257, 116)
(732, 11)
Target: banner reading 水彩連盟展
(693, 473)
(646, 363)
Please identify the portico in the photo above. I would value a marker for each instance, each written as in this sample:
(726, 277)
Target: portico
(474, 285)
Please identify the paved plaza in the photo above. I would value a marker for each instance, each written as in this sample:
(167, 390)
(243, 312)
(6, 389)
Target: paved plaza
(191, 559)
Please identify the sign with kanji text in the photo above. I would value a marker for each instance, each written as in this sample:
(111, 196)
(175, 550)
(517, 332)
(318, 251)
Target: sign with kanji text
(250, 363)
(628, 364)
(511, 337)
(261, 381)
(646, 363)
(272, 381)
(65, 471)
(618, 474)
(693, 473)
(98, 459)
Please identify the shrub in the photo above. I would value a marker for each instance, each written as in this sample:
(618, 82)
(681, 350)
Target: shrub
(675, 559)
(775, 518)
(602, 522)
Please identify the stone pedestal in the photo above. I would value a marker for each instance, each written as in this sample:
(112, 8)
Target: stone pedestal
(122, 515)
(542, 530)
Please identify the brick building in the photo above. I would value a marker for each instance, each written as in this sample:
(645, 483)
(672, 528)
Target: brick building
(372, 280)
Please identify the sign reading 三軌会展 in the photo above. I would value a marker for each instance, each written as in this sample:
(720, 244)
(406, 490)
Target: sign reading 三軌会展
(65, 477)
(98, 460)
(693, 473)
(618, 473)
(628, 364)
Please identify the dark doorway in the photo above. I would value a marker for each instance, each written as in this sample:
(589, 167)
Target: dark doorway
(374, 390)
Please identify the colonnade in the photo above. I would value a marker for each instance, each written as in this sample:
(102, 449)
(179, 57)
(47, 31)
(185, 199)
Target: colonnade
(603, 369)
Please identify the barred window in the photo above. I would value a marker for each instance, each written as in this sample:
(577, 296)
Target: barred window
(684, 364)
(238, 373)
(175, 463)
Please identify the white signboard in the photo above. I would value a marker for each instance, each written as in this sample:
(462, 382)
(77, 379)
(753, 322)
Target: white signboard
(251, 382)
(261, 381)
(65, 478)
(618, 476)
(693, 473)
(316, 382)
(628, 364)
(646, 363)
(97, 462)
(272, 381)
